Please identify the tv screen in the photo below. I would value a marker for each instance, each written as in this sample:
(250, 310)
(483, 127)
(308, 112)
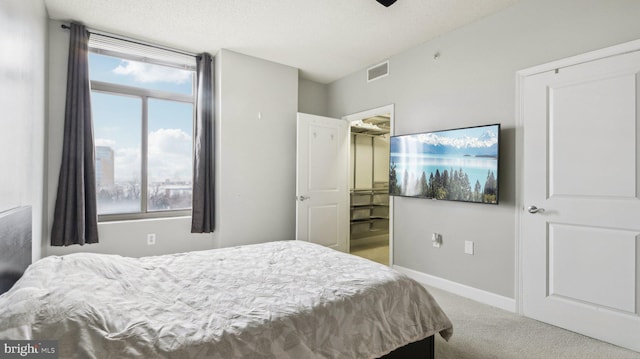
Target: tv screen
(455, 165)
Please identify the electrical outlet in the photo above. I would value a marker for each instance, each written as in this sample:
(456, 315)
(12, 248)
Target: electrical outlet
(151, 239)
(436, 239)
(468, 247)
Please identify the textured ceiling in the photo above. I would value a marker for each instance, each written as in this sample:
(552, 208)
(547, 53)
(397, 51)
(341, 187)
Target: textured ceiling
(325, 39)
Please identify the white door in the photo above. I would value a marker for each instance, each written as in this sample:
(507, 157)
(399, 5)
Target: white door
(322, 197)
(581, 247)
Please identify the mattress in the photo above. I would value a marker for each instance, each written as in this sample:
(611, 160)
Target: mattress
(287, 299)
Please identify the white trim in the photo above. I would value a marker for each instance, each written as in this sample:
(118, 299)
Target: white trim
(479, 295)
(521, 75)
(390, 109)
(519, 183)
(372, 112)
(610, 51)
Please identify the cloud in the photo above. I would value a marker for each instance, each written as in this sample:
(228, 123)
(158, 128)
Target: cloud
(147, 73)
(127, 165)
(170, 157)
(169, 141)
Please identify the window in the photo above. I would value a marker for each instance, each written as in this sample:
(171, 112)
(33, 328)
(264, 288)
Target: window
(143, 108)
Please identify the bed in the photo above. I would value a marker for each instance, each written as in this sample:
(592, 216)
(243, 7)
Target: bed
(15, 245)
(286, 299)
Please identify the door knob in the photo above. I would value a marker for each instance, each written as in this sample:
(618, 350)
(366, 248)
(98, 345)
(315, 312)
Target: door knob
(534, 209)
(303, 198)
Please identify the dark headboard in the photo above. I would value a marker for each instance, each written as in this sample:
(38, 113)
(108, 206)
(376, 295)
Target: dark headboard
(15, 245)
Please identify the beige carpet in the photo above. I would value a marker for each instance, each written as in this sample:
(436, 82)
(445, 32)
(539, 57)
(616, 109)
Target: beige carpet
(483, 332)
(373, 248)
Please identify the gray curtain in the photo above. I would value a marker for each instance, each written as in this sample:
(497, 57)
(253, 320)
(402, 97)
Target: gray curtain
(75, 219)
(202, 219)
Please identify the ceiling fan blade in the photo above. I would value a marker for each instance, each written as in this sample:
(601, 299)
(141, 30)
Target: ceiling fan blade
(386, 3)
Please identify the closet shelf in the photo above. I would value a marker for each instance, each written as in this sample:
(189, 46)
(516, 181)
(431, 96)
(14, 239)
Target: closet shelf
(369, 211)
(370, 205)
(370, 219)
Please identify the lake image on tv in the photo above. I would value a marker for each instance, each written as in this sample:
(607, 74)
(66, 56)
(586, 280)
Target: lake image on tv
(455, 165)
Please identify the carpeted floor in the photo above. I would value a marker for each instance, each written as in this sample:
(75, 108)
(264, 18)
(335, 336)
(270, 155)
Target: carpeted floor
(484, 332)
(373, 248)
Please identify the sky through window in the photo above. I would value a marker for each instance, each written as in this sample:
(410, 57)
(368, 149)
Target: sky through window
(118, 119)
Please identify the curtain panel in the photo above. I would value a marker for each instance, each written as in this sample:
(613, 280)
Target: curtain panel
(202, 219)
(75, 218)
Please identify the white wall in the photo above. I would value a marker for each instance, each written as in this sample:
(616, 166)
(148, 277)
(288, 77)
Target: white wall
(312, 97)
(256, 146)
(255, 160)
(23, 34)
(472, 83)
(363, 158)
(369, 161)
(381, 158)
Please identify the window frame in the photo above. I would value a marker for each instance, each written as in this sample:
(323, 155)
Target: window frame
(144, 95)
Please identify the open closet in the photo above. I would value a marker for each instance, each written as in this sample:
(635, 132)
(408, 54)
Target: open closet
(369, 188)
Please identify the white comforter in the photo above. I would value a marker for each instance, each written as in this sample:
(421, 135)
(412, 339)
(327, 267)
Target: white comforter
(286, 299)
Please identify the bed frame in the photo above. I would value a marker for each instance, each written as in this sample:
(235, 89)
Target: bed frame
(15, 245)
(422, 349)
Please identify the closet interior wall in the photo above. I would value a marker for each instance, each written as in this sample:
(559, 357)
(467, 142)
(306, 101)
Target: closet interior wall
(369, 184)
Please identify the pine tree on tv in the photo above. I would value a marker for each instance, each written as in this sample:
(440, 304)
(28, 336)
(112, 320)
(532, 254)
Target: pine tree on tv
(431, 191)
(439, 191)
(466, 187)
(393, 180)
(490, 188)
(446, 183)
(424, 186)
(477, 197)
(405, 181)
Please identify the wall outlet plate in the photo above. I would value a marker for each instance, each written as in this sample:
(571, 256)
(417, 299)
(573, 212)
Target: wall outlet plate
(151, 239)
(436, 239)
(468, 247)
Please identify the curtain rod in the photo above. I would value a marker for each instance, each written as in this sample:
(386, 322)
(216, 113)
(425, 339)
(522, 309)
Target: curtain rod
(106, 34)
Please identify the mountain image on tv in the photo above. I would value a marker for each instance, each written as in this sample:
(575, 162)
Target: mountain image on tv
(458, 165)
(446, 142)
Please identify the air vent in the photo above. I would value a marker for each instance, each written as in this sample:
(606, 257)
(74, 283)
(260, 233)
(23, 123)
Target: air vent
(378, 71)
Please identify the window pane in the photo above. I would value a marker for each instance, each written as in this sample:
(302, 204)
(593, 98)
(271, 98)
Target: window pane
(170, 148)
(118, 133)
(139, 74)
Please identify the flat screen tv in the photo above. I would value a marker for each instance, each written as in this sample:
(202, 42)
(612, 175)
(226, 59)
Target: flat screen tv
(455, 165)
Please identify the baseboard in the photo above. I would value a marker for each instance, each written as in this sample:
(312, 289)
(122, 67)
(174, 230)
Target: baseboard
(479, 295)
